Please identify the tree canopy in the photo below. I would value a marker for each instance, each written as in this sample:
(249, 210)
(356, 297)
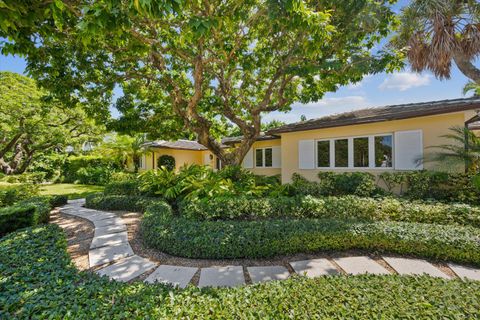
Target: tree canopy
(205, 62)
(33, 123)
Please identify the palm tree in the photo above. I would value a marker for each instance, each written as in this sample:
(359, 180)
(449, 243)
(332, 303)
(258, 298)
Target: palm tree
(125, 149)
(464, 149)
(435, 32)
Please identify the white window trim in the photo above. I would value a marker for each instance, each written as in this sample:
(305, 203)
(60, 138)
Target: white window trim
(371, 152)
(263, 157)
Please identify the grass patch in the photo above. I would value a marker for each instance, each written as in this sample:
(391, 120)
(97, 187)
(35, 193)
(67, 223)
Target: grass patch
(38, 280)
(73, 191)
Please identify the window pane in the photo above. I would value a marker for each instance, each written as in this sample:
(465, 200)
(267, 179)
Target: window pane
(268, 157)
(341, 153)
(360, 152)
(259, 157)
(323, 154)
(383, 152)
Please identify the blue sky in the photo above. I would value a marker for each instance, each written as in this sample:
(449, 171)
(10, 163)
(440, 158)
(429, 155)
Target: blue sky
(376, 90)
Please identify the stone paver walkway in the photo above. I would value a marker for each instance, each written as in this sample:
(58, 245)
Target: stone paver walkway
(111, 252)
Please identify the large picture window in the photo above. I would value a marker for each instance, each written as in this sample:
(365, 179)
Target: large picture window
(323, 154)
(341, 153)
(264, 157)
(360, 152)
(383, 151)
(374, 151)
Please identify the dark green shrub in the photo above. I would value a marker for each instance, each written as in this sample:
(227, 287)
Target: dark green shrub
(301, 186)
(37, 274)
(356, 183)
(346, 207)
(58, 200)
(126, 187)
(267, 238)
(275, 180)
(89, 169)
(11, 194)
(166, 161)
(26, 213)
(118, 202)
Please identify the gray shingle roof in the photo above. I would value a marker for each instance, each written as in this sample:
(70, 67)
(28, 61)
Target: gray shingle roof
(261, 137)
(179, 144)
(387, 113)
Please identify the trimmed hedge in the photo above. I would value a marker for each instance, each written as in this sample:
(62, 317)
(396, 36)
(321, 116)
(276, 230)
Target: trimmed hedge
(100, 201)
(38, 280)
(10, 194)
(126, 187)
(26, 213)
(267, 238)
(346, 207)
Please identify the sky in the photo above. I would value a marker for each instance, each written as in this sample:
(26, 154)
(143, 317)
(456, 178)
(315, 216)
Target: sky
(373, 91)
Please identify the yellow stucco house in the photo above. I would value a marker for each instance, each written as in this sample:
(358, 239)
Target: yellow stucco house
(373, 140)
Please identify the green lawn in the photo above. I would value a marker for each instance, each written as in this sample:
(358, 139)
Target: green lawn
(73, 191)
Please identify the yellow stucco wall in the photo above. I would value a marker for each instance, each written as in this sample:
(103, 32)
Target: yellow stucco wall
(433, 128)
(182, 157)
(265, 171)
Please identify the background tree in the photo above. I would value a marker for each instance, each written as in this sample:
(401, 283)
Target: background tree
(125, 149)
(208, 61)
(33, 123)
(437, 32)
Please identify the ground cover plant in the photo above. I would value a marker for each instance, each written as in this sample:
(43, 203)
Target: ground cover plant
(38, 280)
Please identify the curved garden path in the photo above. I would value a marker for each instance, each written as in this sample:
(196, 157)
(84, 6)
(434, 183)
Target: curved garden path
(112, 254)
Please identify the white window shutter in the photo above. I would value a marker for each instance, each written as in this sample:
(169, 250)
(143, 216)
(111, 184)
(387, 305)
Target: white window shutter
(206, 159)
(276, 157)
(408, 150)
(306, 154)
(248, 160)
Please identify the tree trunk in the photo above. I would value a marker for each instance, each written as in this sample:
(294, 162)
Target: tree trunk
(467, 67)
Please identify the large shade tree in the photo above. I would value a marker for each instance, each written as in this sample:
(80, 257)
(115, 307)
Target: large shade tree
(33, 123)
(203, 61)
(436, 33)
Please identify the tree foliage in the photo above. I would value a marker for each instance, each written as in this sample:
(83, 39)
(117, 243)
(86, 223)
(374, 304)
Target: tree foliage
(437, 32)
(205, 62)
(33, 123)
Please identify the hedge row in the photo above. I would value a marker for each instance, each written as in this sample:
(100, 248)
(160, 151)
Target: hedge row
(100, 201)
(267, 238)
(346, 207)
(27, 213)
(39, 281)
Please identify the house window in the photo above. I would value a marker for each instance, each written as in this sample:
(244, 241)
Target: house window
(263, 157)
(341, 153)
(360, 152)
(323, 154)
(383, 151)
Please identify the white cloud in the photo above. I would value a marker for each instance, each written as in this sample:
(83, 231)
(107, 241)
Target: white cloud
(324, 107)
(404, 80)
(360, 83)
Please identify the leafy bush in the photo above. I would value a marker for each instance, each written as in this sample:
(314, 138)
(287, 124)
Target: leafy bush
(127, 187)
(123, 176)
(39, 281)
(441, 186)
(119, 202)
(58, 200)
(346, 207)
(32, 177)
(267, 238)
(166, 161)
(11, 194)
(26, 213)
(89, 169)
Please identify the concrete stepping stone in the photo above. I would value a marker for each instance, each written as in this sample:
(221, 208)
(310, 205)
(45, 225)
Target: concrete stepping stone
(109, 239)
(76, 201)
(174, 275)
(108, 222)
(414, 267)
(101, 216)
(360, 265)
(108, 254)
(465, 272)
(127, 269)
(229, 276)
(109, 230)
(267, 273)
(314, 268)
